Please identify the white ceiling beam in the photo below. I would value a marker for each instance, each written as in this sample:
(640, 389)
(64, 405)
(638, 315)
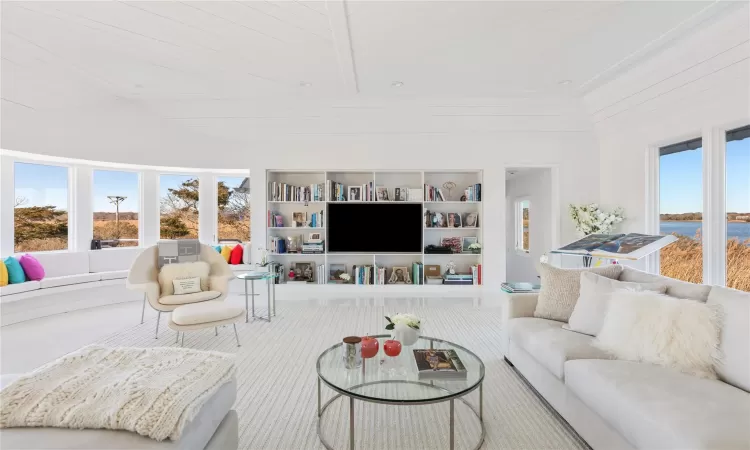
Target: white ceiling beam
(338, 19)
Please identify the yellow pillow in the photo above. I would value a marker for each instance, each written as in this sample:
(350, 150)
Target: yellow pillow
(3, 274)
(226, 252)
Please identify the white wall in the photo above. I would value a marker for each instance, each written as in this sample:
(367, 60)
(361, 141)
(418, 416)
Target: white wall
(535, 186)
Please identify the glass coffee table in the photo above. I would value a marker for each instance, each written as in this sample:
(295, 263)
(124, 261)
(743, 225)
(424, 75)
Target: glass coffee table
(396, 382)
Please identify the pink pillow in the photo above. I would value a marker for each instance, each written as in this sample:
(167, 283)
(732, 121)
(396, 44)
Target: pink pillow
(31, 267)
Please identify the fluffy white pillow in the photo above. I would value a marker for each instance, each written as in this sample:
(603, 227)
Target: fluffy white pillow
(186, 285)
(596, 291)
(658, 329)
(169, 272)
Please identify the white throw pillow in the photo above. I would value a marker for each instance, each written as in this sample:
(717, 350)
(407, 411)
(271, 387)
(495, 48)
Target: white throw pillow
(186, 285)
(658, 329)
(596, 292)
(170, 272)
(561, 287)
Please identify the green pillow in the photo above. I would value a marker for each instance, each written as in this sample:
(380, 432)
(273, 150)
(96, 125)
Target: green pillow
(15, 271)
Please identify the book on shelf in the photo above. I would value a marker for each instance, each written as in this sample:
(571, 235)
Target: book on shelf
(417, 273)
(283, 192)
(439, 364)
(414, 194)
(321, 275)
(466, 282)
(473, 193)
(631, 246)
(433, 194)
(363, 274)
(514, 288)
(276, 244)
(433, 280)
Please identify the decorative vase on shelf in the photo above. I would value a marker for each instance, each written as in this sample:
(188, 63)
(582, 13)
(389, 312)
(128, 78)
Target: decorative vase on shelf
(405, 334)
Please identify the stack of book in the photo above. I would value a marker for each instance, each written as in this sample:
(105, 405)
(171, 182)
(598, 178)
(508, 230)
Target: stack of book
(514, 288)
(282, 192)
(473, 193)
(417, 273)
(476, 274)
(312, 247)
(275, 219)
(458, 279)
(363, 274)
(276, 244)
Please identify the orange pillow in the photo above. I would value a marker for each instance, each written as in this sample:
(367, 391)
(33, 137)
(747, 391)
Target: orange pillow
(236, 256)
(225, 252)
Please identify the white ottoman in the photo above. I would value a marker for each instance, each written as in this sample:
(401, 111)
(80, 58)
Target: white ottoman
(197, 316)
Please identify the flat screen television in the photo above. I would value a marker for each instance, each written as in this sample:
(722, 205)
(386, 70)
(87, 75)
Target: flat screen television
(374, 228)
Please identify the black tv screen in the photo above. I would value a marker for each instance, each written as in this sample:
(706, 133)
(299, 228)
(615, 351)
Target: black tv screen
(374, 227)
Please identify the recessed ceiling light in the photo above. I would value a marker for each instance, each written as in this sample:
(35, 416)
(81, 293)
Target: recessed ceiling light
(397, 84)
(305, 84)
(564, 82)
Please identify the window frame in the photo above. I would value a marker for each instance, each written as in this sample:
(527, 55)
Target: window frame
(215, 194)
(139, 173)
(518, 225)
(70, 194)
(200, 176)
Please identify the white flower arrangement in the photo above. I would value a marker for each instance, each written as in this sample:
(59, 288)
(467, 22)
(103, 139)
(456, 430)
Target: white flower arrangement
(589, 219)
(346, 277)
(410, 320)
(475, 246)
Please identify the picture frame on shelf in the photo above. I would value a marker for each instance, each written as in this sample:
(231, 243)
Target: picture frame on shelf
(334, 273)
(355, 193)
(298, 219)
(304, 271)
(381, 194)
(315, 238)
(466, 241)
(399, 275)
(471, 220)
(454, 220)
(401, 194)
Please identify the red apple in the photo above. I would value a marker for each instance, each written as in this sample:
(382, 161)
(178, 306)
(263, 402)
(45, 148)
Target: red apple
(370, 347)
(392, 348)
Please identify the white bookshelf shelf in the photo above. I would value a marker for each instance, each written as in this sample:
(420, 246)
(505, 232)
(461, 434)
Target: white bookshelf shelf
(390, 179)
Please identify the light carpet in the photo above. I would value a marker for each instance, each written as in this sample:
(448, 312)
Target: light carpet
(276, 382)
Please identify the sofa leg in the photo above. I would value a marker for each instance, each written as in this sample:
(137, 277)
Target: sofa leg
(507, 361)
(158, 319)
(143, 308)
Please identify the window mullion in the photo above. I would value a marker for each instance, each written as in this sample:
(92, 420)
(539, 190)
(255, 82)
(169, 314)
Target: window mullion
(714, 200)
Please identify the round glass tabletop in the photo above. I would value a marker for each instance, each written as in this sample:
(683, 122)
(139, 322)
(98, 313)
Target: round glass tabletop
(385, 379)
(256, 275)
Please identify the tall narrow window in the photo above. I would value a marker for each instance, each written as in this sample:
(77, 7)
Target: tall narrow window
(738, 208)
(179, 207)
(233, 206)
(522, 225)
(116, 206)
(681, 209)
(41, 208)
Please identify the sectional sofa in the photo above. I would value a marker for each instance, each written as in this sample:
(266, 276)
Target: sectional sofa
(616, 404)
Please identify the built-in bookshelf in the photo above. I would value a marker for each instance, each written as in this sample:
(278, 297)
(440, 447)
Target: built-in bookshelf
(294, 198)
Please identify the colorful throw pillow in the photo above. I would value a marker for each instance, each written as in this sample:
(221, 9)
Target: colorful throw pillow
(217, 248)
(31, 267)
(226, 252)
(3, 274)
(236, 256)
(15, 271)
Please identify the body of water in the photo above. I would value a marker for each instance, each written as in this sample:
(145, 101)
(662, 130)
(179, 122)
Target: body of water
(735, 230)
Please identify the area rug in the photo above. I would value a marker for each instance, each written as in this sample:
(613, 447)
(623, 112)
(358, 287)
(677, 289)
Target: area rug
(276, 382)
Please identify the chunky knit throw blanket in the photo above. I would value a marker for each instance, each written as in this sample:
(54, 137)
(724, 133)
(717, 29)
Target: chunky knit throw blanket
(151, 391)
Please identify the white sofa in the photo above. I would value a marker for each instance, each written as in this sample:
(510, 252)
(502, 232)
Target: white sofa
(616, 404)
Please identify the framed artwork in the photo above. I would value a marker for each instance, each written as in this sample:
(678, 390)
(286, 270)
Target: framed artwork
(335, 271)
(304, 271)
(454, 220)
(381, 193)
(399, 275)
(400, 194)
(355, 193)
(466, 241)
(471, 220)
(314, 238)
(298, 219)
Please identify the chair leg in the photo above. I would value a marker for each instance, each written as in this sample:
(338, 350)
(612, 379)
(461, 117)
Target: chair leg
(216, 330)
(143, 308)
(236, 336)
(182, 342)
(177, 338)
(158, 319)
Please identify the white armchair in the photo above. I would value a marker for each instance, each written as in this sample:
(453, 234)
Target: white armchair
(144, 277)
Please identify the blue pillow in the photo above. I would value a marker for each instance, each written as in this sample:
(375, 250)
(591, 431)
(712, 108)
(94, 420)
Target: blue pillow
(15, 271)
(217, 248)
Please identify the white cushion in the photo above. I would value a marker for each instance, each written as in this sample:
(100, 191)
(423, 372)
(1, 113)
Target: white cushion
(561, 288)
(659, 329)
(659, 408)
(184, 286)
(70, 279)
(735, 335)
(246, 259)
(185, 299)
(591, 307)
(111, 259)
(551, 345)
(675, 288)
(20, 287)
(113, 275)
(60, 264)
(183, 270)
(205, 312)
